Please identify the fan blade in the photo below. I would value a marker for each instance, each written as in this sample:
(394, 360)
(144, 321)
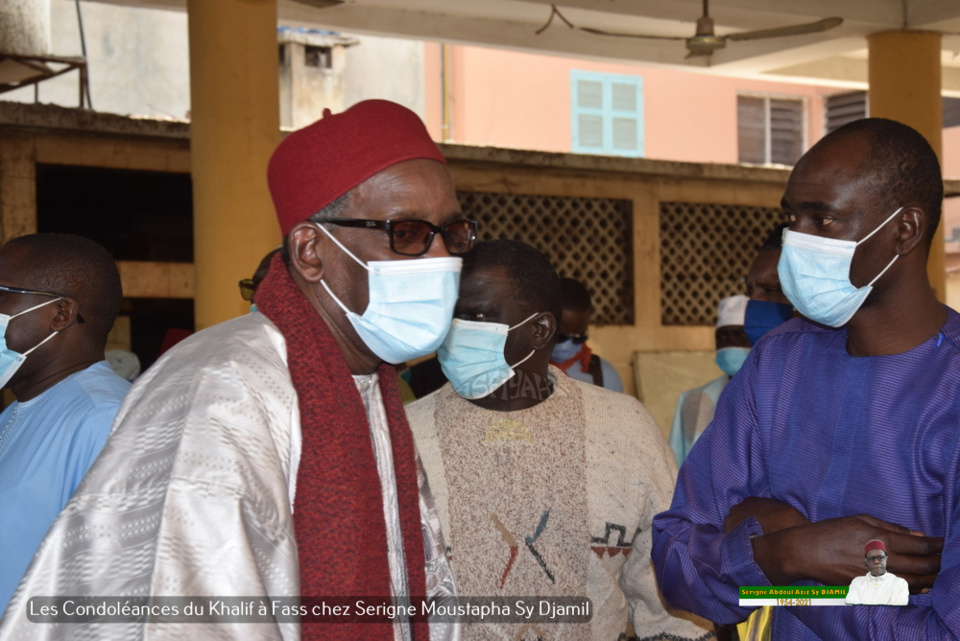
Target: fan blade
(792, 30)
(600, 32)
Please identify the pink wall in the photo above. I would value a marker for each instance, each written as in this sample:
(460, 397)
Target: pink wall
(515, 99)
(433, 109)
(521, 100)
(951, 169)
(951, 152)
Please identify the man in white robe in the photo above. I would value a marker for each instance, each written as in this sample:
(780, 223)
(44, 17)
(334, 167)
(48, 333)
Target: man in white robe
(695, 406)
(199, 488)
(878, 587)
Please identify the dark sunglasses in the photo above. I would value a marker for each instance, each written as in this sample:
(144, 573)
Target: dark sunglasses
(247, 289)
(577, 339)
(414, 237)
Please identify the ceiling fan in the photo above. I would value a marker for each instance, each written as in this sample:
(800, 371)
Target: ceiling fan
(705, 41)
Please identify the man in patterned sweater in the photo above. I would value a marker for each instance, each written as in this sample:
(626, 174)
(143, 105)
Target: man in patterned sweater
(545, 485)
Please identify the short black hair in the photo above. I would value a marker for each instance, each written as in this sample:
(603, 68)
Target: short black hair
(535, 281)
(903, 167)
(576, 297)
(76, 267)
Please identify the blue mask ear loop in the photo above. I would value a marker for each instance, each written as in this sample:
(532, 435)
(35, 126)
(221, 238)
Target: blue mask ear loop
(879, 227)
(361, 263)
(27, 353)
(867, 237)
(350, 254)
(528, 318)
(35, 307)
(532, 352)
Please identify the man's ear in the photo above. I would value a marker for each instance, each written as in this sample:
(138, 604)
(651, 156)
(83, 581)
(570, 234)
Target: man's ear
(544, 328)
(67, 311)
(306, 244)
(911, 230)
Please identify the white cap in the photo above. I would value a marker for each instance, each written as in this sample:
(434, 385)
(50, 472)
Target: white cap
(124, 363)
(732, 310)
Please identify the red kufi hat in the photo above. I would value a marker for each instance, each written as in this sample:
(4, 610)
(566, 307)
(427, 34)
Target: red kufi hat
(875, 544)
(315, 165)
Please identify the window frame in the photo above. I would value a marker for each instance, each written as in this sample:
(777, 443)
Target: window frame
(768, 138)
(861, 96)
(607, 113)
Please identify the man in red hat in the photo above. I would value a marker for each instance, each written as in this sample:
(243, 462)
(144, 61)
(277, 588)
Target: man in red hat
(878, 587)
(269, 456)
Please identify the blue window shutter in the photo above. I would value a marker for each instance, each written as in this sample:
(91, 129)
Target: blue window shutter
(607, 113)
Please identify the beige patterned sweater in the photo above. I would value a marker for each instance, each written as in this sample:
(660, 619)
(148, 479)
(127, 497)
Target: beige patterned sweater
(555, 500)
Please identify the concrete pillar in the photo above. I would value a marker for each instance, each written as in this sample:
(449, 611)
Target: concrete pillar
(904, 76)
(235, 125)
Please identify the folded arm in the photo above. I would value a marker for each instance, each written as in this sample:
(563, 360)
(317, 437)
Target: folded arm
(724, 531)
(830, 552)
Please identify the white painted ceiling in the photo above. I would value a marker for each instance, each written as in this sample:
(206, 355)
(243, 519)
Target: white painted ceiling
(835, 57)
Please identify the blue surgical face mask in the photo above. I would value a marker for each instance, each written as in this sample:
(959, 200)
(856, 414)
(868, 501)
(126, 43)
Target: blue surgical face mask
(564, 350)
(472, 357)
(410, 305)
(762, 316)
(731, 359)
(10, 361)
(815, 276)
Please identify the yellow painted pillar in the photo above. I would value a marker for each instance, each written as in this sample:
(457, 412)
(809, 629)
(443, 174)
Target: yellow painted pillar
(904, 76)
(235, 125)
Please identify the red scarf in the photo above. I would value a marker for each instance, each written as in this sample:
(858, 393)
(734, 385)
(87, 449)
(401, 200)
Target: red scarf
(338, 509)
(583, 356)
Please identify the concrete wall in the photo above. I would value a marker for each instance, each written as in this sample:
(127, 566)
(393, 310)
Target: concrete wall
(25, 27)
(139, 65)
(387, 68)
(306, 91)
(662, 376)
(137, 59)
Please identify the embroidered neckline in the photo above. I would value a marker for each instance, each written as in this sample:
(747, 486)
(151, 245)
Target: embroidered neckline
(4, 435)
